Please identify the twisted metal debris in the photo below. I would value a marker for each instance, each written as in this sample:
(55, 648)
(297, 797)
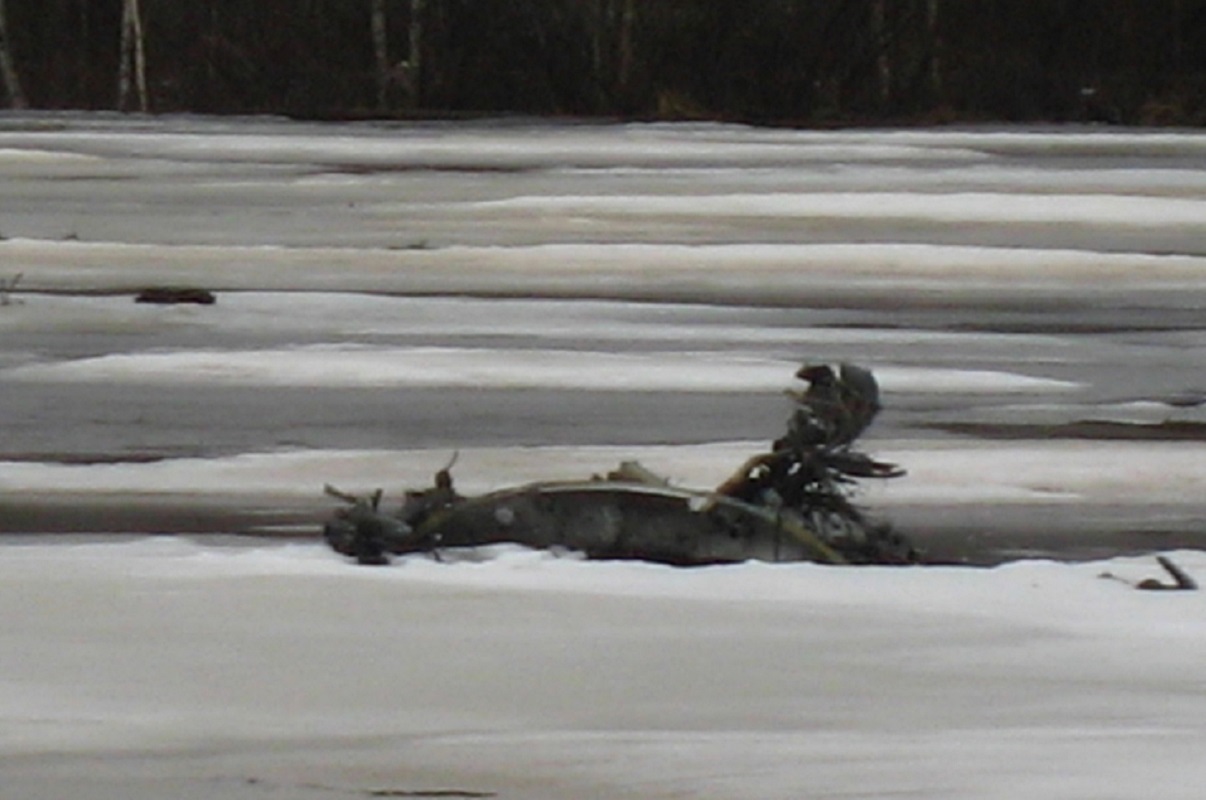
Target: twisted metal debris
(792, 503)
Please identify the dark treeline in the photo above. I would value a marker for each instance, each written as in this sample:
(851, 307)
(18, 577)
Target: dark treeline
(811, 62)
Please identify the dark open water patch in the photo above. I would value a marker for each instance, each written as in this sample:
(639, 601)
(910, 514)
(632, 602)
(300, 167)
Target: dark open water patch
(84, 459)
(983, 534)
(1169, 431)
(153, 515)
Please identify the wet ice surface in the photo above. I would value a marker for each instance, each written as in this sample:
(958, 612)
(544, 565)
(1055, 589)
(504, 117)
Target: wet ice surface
(550, 299)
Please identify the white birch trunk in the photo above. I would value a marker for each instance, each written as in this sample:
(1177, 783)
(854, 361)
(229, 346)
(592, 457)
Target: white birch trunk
(8, 70)
(132, 70)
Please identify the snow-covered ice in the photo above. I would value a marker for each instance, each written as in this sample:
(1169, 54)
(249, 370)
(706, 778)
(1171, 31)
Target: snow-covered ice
(166, 667)
(355, 365)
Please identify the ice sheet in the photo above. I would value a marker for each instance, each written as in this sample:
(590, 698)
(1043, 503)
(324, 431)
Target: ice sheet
(940, 473)
(363, 365)
(719, 272)
(959, 207)
(361, 316)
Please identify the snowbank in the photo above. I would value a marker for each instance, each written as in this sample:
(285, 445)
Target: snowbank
(284, 669)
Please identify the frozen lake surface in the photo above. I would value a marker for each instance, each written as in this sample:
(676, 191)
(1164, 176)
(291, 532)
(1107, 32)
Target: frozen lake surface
(518, 286)
(549, 299)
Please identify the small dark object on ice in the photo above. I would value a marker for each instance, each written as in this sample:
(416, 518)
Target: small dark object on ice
(169, 295)
(7, 287)
(453, 793)
(789, 504)
(1182, 581)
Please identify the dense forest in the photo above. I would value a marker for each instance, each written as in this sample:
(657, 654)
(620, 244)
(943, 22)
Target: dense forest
(803, 62)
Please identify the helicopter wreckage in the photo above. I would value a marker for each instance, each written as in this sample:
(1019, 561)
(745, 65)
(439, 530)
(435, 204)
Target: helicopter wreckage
(792, 503)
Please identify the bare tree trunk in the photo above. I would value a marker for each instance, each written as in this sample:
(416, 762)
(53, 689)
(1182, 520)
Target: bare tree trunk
(414, 62)
(1178, 37)
(611, 49)
(934, 44)
(140, 59)
(82, 85)
(627, 56)
(8, 70)
(133, 67)
(883, 64)
(380, 52)
(598, 26)
(211, 61)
